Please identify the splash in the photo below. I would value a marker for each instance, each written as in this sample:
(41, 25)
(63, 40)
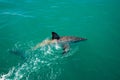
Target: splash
(42, 64)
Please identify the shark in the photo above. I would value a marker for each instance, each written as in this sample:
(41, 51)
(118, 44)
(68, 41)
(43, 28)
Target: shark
(63, 40)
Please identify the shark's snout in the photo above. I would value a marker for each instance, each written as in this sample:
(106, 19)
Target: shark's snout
(83, 39)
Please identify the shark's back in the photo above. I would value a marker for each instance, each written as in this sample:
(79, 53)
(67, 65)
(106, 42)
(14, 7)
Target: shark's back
(66, 38)
(71, 39)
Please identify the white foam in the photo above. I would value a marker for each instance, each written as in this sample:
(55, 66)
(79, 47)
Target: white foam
(44, 57)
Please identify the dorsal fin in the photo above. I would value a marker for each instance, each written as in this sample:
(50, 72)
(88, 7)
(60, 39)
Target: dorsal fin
(55, 36)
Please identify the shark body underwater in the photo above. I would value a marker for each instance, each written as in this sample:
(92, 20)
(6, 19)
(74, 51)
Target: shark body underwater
(64, 40)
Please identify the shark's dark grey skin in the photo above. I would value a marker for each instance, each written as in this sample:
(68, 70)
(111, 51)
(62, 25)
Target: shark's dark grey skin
(68, 39)
(65, 40)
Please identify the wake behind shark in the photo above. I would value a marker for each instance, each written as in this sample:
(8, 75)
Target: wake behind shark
(64, 40)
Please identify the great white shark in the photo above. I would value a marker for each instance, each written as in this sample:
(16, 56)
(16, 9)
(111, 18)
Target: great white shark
(64, 40)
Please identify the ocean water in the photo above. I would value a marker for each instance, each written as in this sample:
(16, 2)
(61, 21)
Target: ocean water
(25, 23)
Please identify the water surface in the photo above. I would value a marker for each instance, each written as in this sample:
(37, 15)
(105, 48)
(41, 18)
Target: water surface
(24, 23)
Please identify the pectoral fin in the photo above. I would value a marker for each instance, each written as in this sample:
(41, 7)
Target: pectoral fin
(65, 48)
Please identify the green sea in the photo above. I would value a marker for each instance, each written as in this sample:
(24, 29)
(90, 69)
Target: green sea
(25, 23)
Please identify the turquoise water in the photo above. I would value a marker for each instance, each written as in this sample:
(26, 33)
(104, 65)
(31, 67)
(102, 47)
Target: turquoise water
(24, 23)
